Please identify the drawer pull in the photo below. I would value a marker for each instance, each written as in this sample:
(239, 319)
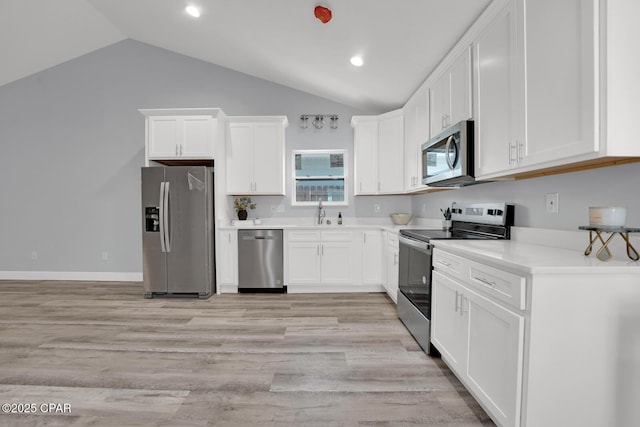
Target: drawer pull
(446, 264)
(485, 281)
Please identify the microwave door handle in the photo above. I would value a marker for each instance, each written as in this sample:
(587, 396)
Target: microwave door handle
(447, 149)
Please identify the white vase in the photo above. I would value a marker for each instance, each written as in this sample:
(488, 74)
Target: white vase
(446, 225)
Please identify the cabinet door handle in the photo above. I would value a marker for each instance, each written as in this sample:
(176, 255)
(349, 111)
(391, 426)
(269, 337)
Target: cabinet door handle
(485, 281)
(395, 259)
(462, 304)
(176, 150)
(457, 307)
(322, 250)
(364, 236)
(180, 150)
(519, 151)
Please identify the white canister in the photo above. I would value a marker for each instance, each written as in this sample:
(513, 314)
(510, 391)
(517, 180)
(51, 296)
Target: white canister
(607, 216)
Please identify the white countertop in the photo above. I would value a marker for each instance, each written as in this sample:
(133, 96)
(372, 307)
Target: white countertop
(530, 250)
(384, 224)
(528, 258)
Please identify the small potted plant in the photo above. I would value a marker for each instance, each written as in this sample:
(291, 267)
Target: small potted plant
(240, 204)
(446, 224)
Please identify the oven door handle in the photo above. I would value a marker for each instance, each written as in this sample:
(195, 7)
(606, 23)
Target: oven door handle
(421, 246)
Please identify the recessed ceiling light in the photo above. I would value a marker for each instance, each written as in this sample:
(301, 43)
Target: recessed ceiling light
(357, 61)
(193, 11)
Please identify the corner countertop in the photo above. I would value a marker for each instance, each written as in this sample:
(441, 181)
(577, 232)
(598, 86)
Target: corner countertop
(529, 258)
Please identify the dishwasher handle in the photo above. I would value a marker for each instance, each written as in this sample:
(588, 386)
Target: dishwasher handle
(259, 237)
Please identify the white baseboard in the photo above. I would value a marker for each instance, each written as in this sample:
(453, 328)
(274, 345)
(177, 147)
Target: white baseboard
(323, 289)
(227, 288)
(89, 276)
(314, 289)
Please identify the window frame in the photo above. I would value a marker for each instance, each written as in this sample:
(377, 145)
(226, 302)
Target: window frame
(344, 177)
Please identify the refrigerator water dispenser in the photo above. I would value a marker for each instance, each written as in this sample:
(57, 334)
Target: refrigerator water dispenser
(152, 218)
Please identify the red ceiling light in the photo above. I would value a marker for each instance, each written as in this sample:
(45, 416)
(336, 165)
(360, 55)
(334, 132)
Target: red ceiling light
(322, 13)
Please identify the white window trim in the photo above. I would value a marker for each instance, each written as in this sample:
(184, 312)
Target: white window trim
(345, 159)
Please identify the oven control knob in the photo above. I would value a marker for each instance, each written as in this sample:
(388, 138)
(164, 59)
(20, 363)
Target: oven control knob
(424, 280)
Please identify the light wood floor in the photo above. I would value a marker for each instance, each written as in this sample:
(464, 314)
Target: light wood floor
(233, 360)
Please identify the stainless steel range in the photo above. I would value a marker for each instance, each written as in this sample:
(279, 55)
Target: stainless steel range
(470, 221)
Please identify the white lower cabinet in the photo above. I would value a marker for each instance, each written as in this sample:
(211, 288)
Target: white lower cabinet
(449, 326)
(480, 338)
(347, 260)
(372, 257)
(494, 356)
(320, 258)
(392, 263)
(227, 264)
(337, 262)
(304, 262)
(539, 336)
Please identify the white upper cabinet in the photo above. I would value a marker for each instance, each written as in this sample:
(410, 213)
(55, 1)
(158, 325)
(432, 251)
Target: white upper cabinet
(391, 152)
(451, 94)
(379, 153)
(561, 69)
(365, 147)
(498, 99)
(255, 155)
(416, 132)
(554, 86)
(181, 134)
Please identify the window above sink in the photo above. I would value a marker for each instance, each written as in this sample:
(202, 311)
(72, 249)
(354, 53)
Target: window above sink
(319, 175)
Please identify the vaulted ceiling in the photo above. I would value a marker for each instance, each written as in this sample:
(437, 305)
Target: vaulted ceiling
(400, 41)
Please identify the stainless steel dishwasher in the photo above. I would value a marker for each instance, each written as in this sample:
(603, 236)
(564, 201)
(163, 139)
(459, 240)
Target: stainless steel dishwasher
(260, 261)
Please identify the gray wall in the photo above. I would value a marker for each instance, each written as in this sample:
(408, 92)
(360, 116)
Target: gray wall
(73, 144)
(610, 186)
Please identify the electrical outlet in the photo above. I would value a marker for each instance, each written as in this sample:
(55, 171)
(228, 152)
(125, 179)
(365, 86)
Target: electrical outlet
(274, 208)
(376, 208)
(34, 255)
(105, 256)
(551, 202)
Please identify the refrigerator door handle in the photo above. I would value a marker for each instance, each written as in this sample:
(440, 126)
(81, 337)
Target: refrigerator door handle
(162, 216)
(167, 236)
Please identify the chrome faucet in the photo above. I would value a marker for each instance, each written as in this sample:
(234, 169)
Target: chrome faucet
(321, 213)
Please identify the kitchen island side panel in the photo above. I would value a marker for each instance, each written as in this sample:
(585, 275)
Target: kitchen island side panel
(582, 351)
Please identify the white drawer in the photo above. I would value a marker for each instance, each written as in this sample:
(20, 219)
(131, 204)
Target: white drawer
(498, 284)
(449, 264)
(337, 236)
(303, 236)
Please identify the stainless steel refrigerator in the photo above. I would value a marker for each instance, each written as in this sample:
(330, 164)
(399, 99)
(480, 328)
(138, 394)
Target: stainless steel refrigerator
(178, 237)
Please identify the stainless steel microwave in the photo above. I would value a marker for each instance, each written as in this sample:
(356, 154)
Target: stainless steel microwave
(447, 159)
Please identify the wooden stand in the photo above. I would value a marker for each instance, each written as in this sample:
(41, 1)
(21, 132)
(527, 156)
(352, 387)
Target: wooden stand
(604, 254)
